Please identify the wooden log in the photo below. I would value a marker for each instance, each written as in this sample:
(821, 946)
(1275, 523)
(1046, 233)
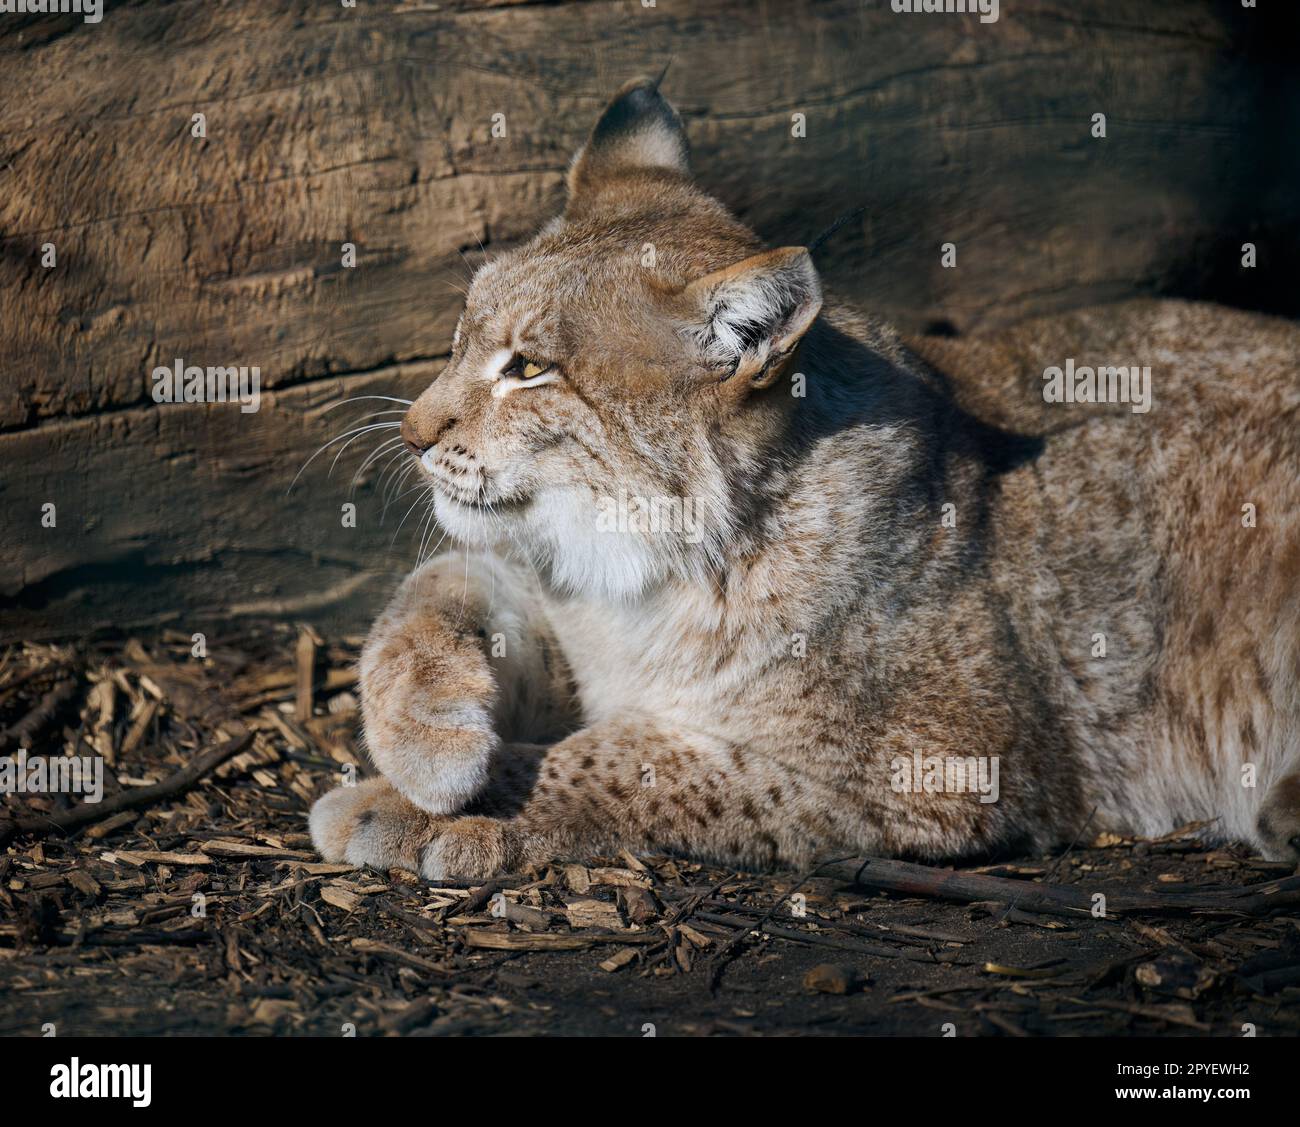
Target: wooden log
(966, 888)
(372, 127)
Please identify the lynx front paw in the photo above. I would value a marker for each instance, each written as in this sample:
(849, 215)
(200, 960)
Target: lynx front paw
(371, 824)
(428, 697)
(1279, 820)
(471, 847)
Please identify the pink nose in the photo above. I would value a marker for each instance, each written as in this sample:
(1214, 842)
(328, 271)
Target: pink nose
(413, 443)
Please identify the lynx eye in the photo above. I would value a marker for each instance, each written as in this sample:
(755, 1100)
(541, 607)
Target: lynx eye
(522, 368)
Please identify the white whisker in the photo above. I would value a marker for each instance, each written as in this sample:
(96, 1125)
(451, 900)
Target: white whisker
(426, 530)
(367, 430)
(393, 459)
(434, 550)
(386, 447)
(404, 493)
(464, 593)
(325, 446)
(407, 514)
(393, 491)
(359, 398)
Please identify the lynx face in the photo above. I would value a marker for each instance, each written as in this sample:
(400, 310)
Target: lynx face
(600, 398)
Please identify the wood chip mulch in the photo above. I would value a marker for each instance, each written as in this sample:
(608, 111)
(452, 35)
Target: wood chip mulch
(189, 899)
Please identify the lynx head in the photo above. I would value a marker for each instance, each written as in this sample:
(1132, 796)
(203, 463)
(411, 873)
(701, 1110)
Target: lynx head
(614, 381)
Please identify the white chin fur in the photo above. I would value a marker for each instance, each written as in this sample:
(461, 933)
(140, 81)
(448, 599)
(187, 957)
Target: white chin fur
(464, 524)
(559, 532)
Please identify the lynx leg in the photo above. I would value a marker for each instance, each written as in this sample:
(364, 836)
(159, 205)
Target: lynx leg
(630, 785)
(460, 659)
(601, 789)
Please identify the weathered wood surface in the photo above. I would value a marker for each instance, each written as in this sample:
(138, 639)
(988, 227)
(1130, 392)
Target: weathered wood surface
(372, 125)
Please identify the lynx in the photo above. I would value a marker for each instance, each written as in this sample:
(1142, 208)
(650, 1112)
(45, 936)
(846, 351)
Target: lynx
(902, 554)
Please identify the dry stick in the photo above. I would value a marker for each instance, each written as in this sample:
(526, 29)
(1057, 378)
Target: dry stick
(478, 898)
(892, 934)
(683, 912)
(718, 963)
(31, 675)
(922, 880)
(308, 644)
(136, 937)
(87, 812)
(819, 938)
(35, 721)
(1047, 879)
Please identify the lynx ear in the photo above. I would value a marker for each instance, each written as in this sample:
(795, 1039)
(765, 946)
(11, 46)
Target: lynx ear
(752, 315)
(639, 129)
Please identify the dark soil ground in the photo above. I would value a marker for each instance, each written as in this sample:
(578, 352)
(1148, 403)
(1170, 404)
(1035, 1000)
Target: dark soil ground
(204, 909)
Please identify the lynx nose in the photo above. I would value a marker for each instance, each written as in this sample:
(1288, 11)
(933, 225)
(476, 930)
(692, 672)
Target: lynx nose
(410, 438)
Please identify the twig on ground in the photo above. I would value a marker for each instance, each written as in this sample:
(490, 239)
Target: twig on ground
(133, 799)
(821, 939)
(719, 962)
(1059, 862)
(31, 725)
(966, 888)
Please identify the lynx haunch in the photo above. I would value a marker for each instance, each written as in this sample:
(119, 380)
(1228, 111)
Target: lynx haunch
(743, 694)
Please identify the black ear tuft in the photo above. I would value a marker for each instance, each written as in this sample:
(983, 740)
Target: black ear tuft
(639, 129)
(638, 106)
(749, 317)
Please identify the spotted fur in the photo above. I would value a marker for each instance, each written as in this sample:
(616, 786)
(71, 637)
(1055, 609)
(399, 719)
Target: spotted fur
(558, 687)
